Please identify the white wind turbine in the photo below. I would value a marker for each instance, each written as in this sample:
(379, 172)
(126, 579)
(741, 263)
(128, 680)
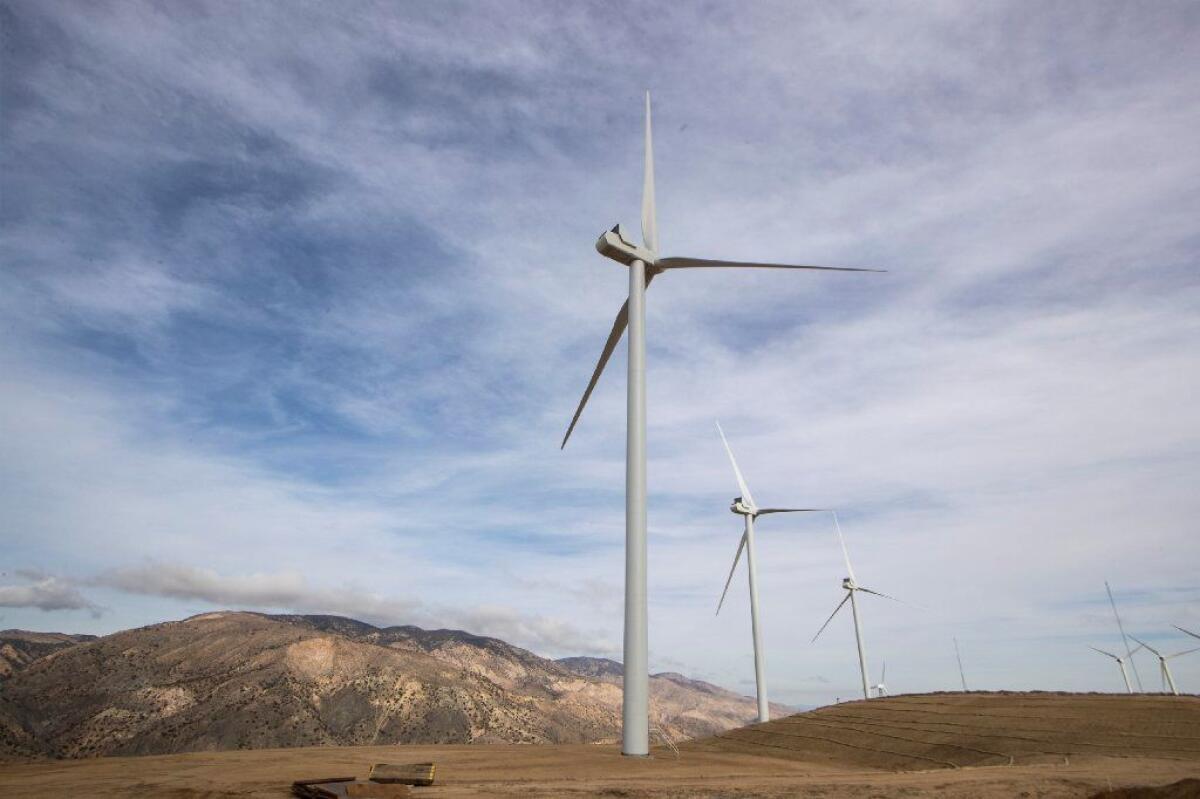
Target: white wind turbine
(745, 507)
(1120, 663)
(644, 264)
(1164, 669)
(852, 587)
(881, 686)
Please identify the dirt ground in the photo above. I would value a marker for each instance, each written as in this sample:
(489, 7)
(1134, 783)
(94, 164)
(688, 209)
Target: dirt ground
(569, 771)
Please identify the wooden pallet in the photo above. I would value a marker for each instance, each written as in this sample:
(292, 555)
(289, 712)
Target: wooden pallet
(406, 774)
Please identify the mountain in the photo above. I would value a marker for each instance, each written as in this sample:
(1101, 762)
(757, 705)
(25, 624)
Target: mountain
(231, 680)
(601, 668)
(19, 648)
(696, 704)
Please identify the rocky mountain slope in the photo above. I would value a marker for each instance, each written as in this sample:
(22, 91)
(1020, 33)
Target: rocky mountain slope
(245, 680)
(19, 648)
(693, 700)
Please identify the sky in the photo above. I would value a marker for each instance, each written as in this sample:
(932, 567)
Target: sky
(297, 301)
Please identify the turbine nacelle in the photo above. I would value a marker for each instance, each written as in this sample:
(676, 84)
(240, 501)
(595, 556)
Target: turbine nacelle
(741, 508)
(848, 584)
(614, 245)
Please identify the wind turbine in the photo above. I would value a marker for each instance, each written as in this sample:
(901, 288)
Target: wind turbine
(644, 264)
(1128, 652)
(1120, 663)
(745, 507)
(1163, 669)
(881, 687)
(853, 587)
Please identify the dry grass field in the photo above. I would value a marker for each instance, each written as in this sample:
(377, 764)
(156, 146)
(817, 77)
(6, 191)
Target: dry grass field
(955, 730)
(974, 745)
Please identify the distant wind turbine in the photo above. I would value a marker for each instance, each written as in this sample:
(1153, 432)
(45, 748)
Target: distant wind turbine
(852, 587)
(881, 686)
(745, 507)
(644, 264)
(1120, 663)
(961, 675)
(1124, 638)
(1164, 669)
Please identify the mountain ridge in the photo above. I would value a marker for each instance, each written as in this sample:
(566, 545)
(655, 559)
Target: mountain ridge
(238, 679)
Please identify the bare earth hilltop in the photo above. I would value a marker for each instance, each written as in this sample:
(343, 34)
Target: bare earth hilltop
(947, 745)
(233, 680)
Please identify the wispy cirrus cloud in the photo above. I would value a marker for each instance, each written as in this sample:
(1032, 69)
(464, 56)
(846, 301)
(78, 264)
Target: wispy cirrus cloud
(292, 591)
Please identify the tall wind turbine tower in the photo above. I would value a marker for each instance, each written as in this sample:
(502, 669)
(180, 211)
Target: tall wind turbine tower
(745, 507)
(644, 263)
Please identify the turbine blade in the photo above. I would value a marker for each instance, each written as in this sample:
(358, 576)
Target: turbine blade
(697, 263)
(845, 599)
(961, 674)
(1146, 645)
(649, 219)
(618, 329)
(765, 511)
(1181, 654)
(1189, 632)
(877, 593)
(1102, 652)
(741, 481)
(732, 569)
(842, 538)
(1124, 639)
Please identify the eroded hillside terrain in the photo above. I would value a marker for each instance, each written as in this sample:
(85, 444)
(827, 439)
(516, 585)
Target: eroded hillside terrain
(244, 680)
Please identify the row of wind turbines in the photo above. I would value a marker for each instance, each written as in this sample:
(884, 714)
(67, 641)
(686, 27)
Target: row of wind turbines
(1164, 668)
(744, 506)
(644, 264)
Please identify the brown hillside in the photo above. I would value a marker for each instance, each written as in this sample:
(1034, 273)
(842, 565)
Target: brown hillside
(976, 729)
(244, 680)
(19, 648)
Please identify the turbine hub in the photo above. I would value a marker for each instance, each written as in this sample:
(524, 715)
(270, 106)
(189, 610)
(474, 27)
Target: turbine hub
(848, 584)
(740, 508)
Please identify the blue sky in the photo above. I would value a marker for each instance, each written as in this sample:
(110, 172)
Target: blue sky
(298, 299)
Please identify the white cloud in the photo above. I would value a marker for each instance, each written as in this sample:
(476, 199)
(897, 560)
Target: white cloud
(294, 592)
(45, 593)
